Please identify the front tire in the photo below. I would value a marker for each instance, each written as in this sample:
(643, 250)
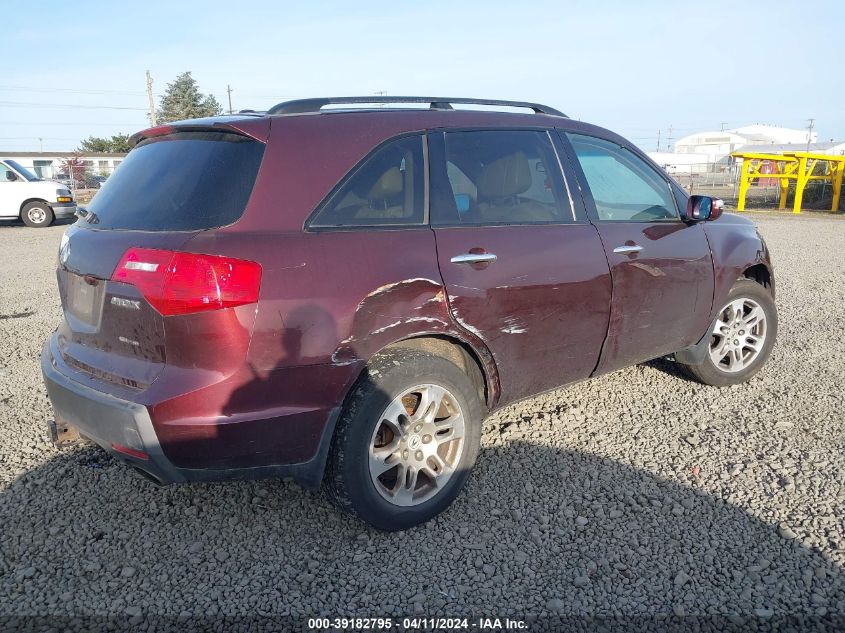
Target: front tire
(37, 214)
(406, 441)
(741, 338)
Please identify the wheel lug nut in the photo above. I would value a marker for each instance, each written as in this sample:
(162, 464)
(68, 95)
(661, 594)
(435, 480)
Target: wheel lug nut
(405, 453)
(417, 428)
(426, 439)
(419, 455)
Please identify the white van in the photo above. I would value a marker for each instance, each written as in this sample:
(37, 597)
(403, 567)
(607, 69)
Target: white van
(37, 202)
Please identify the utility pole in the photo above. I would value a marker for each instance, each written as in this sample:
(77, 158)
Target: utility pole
(40, 145)
(153, 121)
(723, 126)
(229, 91)
(658, 140)
(810, 132)
(669, 140)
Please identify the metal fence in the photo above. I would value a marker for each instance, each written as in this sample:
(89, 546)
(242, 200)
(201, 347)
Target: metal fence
(722, 180)
(704, 174)
(89, 176)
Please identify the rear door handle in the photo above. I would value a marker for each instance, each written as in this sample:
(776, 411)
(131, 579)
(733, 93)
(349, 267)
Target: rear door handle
(474, 258)
(634, 248)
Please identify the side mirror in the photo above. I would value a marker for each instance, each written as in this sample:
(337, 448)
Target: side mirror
(11, 176)
(701, 208)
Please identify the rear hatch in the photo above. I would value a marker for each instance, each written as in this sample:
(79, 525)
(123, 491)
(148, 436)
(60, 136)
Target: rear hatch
(126, 274)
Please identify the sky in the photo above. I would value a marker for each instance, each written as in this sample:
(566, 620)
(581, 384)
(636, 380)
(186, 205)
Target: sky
(634, 67)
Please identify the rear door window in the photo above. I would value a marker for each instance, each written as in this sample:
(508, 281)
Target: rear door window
(185, 181)
(502, 177)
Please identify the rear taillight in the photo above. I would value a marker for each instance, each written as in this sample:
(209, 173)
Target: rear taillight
(181, 283)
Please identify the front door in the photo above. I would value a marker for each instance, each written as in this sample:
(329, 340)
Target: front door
(12, 192)
(661, 266)
(523, 268)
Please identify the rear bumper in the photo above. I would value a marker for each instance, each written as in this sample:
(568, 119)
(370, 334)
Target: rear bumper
(110, 421)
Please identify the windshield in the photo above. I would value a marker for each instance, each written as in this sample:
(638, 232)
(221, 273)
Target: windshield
(185, 181)
(23, 171)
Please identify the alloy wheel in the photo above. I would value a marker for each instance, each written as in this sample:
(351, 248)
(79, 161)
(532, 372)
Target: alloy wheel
(738, 335)
(416, 445)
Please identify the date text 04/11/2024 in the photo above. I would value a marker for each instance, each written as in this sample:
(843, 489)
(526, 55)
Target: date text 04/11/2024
(417, 623)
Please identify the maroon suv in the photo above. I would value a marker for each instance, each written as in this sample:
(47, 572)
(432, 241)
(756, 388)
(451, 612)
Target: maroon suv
(340, 295)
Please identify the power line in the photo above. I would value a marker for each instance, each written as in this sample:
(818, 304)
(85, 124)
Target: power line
(73, 90)
(40, 123)
(28, 104)
(29, 138)
(130, 92)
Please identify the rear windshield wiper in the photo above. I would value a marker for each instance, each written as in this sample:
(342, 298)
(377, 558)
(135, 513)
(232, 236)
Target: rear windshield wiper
(88, 216)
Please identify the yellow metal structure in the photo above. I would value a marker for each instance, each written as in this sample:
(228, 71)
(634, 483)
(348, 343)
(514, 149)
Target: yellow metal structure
(797, 166)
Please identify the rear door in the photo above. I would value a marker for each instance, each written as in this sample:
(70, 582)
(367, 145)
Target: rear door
(661, 266)
(524, 270)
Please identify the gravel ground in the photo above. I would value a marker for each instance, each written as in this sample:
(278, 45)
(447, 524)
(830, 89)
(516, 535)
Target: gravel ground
(638, 495)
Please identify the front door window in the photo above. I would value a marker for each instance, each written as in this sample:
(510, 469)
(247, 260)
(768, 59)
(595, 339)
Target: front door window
(624, 187)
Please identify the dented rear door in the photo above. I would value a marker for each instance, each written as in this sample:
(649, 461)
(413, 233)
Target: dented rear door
(542, 305)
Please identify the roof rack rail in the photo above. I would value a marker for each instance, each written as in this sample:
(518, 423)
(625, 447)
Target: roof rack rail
(302, 106)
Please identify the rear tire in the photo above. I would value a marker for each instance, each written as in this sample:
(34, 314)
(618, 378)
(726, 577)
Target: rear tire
(742, 336)
(416, 419)
(37, 214)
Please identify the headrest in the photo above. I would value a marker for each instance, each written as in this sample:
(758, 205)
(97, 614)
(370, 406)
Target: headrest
(389, 185)
(507, 176)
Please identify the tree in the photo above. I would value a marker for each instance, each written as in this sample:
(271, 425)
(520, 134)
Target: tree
(76, 169)
(119, 143)
(183, 100)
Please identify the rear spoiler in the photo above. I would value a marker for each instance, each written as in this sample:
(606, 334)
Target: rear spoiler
(257, 128)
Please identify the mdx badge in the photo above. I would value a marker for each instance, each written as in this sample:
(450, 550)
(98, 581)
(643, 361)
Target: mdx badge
(121, 302)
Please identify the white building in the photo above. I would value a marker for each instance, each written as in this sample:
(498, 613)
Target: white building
(716, 146)
(50, 164)
(677, 163)
(772, 134)
(710, 147)
(710, 151)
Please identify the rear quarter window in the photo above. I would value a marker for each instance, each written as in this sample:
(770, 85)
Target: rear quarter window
(386, 189)
(185, 181)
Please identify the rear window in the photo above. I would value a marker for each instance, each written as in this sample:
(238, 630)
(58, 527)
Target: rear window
(185, 181)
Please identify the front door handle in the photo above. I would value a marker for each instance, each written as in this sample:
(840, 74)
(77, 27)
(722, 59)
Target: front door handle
(474, 258)
(628, 248)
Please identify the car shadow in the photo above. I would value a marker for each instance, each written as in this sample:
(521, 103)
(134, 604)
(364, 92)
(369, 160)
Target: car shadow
(540, 531)
(669, 367)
